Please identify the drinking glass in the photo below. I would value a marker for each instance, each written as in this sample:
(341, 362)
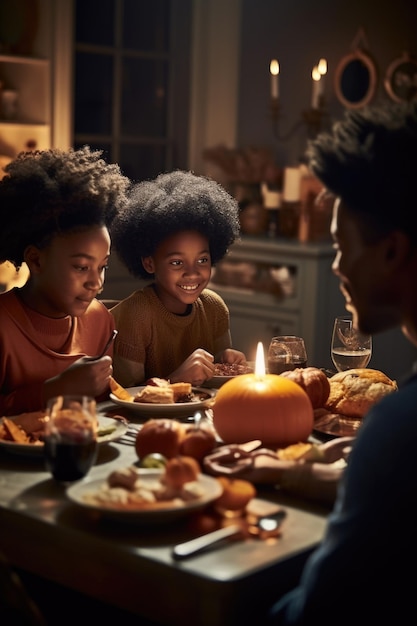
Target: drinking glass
(350, 349)
(70, 437)
(286, 352)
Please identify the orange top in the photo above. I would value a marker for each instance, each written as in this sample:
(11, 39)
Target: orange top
(34, 348)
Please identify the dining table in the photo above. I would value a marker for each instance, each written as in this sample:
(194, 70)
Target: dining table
(129, 564)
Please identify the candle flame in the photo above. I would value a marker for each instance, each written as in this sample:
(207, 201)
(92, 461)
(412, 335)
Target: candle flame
(260, 360)
(322, 67)
(274, 67)
(315, 74)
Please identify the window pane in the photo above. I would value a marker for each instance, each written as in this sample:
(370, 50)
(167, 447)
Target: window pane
(94, 145)
(146, 159)
(144, 97)
(146, 25)
(94, 22)
(93, 93)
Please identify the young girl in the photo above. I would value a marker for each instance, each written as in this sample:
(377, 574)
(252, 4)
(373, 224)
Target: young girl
(55, 209)
(173, 230)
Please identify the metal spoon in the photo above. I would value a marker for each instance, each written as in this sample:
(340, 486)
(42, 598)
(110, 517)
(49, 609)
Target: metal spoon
(265, 524)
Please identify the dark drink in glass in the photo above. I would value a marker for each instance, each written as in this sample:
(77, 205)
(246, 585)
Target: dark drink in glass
(277, 365)
(70, 440)
(69, 460)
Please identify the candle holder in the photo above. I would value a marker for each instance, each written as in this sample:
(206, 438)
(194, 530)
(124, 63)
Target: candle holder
(312, 119)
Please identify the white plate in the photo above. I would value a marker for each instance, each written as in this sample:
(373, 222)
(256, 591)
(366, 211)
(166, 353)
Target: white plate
(31, 449)
(178, 409)
(210, 486)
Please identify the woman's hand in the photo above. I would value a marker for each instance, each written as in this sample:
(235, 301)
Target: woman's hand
(84, 376)
(197, 368)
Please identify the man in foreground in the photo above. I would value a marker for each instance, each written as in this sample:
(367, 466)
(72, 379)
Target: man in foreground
(363, 571)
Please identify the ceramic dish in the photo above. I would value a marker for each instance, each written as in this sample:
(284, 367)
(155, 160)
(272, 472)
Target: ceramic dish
(115, 427)
(217, 381)
(178, 409)
(210, 486)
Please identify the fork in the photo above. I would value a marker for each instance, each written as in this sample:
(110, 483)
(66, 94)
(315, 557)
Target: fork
(106, 347)
(129, 437)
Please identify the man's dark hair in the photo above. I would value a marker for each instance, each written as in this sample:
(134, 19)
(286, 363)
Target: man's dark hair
(370, 161)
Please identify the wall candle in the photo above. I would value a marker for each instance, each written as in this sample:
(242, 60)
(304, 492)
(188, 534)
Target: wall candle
(322, 68)
(316, 76)
(274, 69)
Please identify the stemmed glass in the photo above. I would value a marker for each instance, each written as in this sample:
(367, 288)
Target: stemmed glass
(286, 352)
(350, 349)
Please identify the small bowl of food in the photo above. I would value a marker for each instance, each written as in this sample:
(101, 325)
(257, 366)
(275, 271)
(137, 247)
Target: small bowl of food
(225, 371)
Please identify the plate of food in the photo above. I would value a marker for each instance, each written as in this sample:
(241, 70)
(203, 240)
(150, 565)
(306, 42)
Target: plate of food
(226, 371)
(334, 424)
(140, 495)
(163, 399)
(352, 394)
(109, 429)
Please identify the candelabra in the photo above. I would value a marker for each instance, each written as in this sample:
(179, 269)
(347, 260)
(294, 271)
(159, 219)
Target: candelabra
(312, 119)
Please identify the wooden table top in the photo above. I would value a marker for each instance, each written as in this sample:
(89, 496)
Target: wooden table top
(130, 564)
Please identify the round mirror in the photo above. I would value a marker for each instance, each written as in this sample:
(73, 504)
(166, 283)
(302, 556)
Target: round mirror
(355, 80)
(401, 79)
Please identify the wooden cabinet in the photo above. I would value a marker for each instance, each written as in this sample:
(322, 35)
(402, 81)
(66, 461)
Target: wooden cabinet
(275, 287)
(29, 126)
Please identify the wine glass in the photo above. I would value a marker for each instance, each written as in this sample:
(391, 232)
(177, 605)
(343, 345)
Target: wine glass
(286, 352)
(350, 349)
(70, 440)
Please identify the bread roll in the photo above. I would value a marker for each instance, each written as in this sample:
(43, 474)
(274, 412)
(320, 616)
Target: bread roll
(353, 392)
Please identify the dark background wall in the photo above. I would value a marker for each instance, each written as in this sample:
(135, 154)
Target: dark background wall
(298, 33)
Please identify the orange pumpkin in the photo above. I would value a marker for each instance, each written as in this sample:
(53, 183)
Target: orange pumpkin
(162, 435)
(236, 495)
(314, 382)
(180, 470)
(268, 407)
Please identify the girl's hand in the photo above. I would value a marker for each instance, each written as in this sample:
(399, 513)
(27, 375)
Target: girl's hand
(231, 356)
(84, 376)
(197, 368)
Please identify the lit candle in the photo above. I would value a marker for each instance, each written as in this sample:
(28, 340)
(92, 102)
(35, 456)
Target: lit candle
(260, 360)
(274, 69)
(322, 68)
(316, 76)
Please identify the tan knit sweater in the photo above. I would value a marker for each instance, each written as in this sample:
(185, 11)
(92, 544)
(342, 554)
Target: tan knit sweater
(151, 335)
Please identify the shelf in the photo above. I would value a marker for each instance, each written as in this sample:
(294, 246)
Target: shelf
(30, 127)
(5, 58)
(15, 137)
(30, 77)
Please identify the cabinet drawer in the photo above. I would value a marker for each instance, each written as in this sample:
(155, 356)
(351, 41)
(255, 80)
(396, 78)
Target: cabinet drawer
(247, 330)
